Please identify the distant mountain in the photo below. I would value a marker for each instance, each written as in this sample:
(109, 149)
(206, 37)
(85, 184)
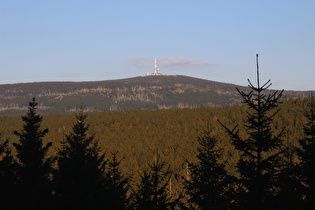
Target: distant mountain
(146, 92)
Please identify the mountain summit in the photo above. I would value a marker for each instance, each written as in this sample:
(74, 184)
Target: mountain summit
(145, 92)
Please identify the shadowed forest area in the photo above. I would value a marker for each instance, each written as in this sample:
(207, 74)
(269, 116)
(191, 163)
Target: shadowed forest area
(259, 155)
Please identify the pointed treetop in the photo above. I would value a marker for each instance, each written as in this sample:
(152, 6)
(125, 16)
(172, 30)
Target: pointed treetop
(257, 71)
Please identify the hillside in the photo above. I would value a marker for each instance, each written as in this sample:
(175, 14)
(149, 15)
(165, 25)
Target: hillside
(147, 92)
(138, 134)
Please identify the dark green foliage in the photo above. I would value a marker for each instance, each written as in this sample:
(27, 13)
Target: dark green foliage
(7, 177)
(152, 192)
(261, 150)
(288, 185)
(307, 154)
(116, 185)
(79, 179)
(208, 183)
(34, 168)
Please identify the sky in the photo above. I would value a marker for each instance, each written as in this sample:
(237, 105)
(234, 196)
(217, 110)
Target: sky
(93, 40)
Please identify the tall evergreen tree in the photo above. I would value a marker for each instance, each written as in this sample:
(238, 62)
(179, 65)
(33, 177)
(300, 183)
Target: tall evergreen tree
(208, 183)
(7, 177)
(117, 185)
(84, 178)
(260, 151)
(152, 192)
(79, 179)
(34, 168)
(289, 187)
(307, 155)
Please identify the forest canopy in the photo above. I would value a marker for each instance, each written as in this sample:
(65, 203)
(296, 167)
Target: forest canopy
(138, 134)
(131, 147)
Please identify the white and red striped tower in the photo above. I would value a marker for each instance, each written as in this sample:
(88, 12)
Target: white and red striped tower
(155, 66)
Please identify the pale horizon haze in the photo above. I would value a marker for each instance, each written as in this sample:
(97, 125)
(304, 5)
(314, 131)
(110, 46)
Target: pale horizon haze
(80, 40)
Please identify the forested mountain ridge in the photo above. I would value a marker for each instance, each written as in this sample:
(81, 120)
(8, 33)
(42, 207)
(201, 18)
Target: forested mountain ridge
(144, 92)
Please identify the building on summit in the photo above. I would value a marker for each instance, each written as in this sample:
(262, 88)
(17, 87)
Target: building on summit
(156, 71)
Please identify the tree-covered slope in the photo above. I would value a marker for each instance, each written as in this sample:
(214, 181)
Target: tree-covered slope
(139, 134)
(147, 92)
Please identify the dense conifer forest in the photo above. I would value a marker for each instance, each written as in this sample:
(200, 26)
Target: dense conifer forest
(189, 158)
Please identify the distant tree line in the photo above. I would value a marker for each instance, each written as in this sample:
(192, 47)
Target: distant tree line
(270, 174)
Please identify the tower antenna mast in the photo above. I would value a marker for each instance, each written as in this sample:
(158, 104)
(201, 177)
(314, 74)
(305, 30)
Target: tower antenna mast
(155, 65)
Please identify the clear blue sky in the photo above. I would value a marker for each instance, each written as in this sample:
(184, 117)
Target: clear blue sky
(81, 40)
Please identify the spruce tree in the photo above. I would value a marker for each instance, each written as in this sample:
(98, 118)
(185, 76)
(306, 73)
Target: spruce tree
(261, 150)
(152, 192)
(208, 183)
(7, 177)
(117, 186)
(289, 187)
(80, 177)
(307, 155)
(34, 168)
